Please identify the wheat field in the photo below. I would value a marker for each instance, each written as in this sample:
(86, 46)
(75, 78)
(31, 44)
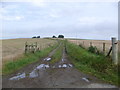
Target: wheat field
(14, 48)
(97, 43)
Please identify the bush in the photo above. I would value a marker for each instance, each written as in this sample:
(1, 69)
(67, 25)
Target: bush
(92, 49)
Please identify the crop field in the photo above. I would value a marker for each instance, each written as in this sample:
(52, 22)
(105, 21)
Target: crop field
(58, 63)
(97, 43)
(14, 48)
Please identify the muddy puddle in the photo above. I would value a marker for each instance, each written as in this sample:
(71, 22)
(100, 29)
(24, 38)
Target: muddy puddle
(47, 59)
(65, 65)
(19, 76)
(85, 79)
(33, 74)
(37, 70)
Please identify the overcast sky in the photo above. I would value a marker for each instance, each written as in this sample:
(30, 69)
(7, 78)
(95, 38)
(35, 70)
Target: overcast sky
(85, 20)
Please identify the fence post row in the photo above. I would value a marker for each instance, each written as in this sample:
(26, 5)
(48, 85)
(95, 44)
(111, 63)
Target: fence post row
(114, 51)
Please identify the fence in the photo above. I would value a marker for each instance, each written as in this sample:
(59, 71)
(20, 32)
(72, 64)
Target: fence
(108, 48)
(32, 48)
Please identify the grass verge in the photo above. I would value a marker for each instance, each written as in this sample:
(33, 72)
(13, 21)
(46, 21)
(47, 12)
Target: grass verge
(57, 55)
(29, 58)
(93, 64)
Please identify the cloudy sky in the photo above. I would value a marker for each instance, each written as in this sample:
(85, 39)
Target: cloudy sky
(85, 20)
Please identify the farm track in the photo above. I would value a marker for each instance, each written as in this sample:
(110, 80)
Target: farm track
(42, 74)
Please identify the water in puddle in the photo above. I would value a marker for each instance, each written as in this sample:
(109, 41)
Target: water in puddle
(64, 66)
(85, 79)
(47, 59)
(60, 66)
(42, 66)
(23, 75)
(33, 74)
(70, 65)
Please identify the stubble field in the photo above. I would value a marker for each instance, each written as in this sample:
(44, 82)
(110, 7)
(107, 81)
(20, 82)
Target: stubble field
(14, 48)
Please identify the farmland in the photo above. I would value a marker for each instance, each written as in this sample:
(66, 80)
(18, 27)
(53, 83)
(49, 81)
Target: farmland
(61, 65)
(97, 43)
(14, 48)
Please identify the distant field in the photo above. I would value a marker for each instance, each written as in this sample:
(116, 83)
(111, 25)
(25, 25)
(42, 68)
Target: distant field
(14, 48)
(97, 43)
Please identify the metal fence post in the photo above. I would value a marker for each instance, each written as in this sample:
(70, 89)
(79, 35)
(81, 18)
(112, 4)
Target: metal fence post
(114, 51)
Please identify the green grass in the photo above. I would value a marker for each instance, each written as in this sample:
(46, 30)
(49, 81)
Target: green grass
(57, 55)
(93, 64)
(29, 58)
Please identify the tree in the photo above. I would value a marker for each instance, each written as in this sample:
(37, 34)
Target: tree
(34, 37)
(54, 37)
(60, 36)
(38, 36)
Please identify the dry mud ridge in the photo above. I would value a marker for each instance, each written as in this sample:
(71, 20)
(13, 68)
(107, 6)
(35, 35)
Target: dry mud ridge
(42, 74)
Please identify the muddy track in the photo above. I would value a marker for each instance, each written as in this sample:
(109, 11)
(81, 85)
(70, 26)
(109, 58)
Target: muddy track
(59, 75)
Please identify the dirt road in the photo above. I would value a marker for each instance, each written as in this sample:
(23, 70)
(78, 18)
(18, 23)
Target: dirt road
(42, 74)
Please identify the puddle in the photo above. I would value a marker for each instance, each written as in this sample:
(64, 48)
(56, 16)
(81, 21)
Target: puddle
(60, 66)
(42, 66)
(85, 79)
(33, 74)
(23, 75)
(70, 65)
(47, 59)
(64, 65)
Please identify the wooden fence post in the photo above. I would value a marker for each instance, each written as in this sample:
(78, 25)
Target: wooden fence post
(29, 47)
(83, 43)
(90, 44)
(36, 47)
(104, 48)
(32, 47)
(26, 47)
(114, 51)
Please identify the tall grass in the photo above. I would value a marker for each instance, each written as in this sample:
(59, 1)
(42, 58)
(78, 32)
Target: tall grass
(96, 65)
(29, 58)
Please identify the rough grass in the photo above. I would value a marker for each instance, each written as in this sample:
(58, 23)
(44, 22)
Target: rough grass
(12, 66)
(93, 64)
(57, 55)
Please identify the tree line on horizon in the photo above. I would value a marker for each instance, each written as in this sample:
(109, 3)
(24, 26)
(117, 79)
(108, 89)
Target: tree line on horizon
(59, 36)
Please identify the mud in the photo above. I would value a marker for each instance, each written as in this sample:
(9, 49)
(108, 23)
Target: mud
(59, 75)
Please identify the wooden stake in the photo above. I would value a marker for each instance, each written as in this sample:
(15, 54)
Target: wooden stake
(104, 48)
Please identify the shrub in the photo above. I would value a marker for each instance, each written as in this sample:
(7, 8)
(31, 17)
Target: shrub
(92, 49)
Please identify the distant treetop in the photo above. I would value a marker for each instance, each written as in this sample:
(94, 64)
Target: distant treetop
(60, 36)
